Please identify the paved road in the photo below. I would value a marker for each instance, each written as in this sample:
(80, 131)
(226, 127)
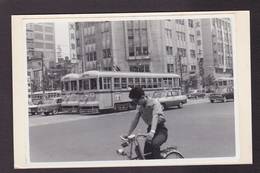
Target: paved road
(199, 130)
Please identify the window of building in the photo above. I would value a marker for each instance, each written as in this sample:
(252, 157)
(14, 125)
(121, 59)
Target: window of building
(179, 21)
(184, 68)
(38, 28)
(192, 38)
(49, 46)
(38, 45)
(193, 67)
(49, 37)
(169, 50)
(168, 33)
(181, 36)
(38, 36)
(190, 23)
(49, 29)
(192, 54)
(170, 68)
(198, 42)
(198, 33)
(181, 52)
(139, 68)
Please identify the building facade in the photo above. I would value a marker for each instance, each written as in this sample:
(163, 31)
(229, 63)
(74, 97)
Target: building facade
(40, 42)
(165, 46)
(217, 47)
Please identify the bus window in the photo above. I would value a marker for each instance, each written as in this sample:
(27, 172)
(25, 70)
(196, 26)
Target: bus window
(80, 85)
(107, 82)
(66, 86)
(149, 83)
(86, 84)
(116, 83)
(93, 84)
(74, 85)
(155, 85)
(100, 83)
(130, 82)
(123, 83)
(137, 82)
(143, 83)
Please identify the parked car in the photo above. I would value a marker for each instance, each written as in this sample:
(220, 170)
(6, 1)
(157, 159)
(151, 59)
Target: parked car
(196, 94)
(222, 94)
(32, 109)
(51, 106)
(170, 98)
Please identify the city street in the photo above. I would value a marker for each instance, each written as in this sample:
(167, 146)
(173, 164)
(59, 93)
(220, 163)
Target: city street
(198, 130)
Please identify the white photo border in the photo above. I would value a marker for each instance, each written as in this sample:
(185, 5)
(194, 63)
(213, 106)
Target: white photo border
(242, 83)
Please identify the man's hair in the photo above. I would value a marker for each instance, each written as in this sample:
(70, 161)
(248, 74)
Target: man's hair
(136, 93)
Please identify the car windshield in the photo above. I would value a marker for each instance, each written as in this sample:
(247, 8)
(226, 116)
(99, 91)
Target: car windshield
(157, 94)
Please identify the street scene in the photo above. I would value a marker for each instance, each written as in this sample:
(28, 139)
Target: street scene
(199, 130)
(80, 75)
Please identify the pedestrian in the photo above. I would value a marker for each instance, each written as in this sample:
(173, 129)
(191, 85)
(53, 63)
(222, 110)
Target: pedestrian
(152, 114)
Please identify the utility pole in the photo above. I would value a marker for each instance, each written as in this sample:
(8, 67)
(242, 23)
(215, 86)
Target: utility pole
(180, 66)
(43, 78)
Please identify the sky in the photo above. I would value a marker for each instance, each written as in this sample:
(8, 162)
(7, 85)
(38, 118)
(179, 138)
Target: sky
(62, 37)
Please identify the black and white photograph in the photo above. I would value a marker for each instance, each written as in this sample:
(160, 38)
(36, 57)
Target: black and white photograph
(130, 90)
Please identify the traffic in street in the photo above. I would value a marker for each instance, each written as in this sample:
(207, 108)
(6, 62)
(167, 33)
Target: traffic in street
(199, 130)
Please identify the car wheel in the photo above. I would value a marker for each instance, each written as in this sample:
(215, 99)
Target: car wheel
(180, 105)
(212, 101)
(55, 111)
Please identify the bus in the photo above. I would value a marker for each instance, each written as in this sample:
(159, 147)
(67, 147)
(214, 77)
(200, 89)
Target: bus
(37, 97)
(98, 91)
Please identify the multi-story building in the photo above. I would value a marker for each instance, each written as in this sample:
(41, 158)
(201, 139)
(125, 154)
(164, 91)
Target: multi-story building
(216, 41)
(40, 49)
(165, 46)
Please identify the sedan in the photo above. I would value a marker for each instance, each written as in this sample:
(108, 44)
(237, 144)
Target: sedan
(222, 94)
(170, 98)
(51, 106)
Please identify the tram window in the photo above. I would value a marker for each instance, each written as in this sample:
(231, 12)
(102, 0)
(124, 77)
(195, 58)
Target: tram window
(66, 86)
(137, 82)
(93, 84)
(149, 83)
(143, 83)
(62, 86)
(123, 83)
(107, 82)
(155, 84)
(100, 83)
(80, 85)
(130, 82)
(73, 85)
(165, 82)
(86, 84)
(159, 82)
(170, 82)
(117, 83)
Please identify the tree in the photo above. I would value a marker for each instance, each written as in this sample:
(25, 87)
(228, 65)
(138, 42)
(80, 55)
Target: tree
(208, 81)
